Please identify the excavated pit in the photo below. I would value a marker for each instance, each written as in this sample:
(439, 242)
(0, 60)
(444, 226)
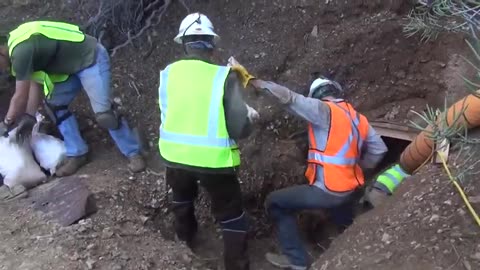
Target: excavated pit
(316, 226)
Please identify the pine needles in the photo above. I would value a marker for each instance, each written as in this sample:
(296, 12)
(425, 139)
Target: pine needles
(430, 17)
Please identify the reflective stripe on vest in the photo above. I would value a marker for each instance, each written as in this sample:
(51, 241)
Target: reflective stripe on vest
(207, 143)
(339, 158)
(392, 177)
(51, 30)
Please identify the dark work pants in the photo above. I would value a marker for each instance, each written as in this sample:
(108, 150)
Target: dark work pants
(282, 206)
(227, 207)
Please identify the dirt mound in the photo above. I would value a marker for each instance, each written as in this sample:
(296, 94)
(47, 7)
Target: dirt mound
(425, 225)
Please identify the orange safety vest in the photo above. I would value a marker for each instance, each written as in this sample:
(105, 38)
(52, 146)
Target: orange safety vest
(339, 159)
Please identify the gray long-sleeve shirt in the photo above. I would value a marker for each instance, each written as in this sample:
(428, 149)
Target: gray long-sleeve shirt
(317, 113)
(236, 118)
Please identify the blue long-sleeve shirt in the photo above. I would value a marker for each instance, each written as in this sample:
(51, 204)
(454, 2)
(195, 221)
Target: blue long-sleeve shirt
(317, 113)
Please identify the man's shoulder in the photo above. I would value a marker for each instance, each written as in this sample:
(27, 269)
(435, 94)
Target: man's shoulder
(29, 45)
(21, 57)
(22, 48)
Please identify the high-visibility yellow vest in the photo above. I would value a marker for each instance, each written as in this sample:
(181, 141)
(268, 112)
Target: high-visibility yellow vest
(193, 129)
(52, 30)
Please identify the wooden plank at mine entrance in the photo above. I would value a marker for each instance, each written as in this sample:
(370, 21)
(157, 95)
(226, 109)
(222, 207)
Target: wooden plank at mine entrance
(393, 130)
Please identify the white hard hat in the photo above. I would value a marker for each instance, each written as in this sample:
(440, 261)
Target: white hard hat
(196, 24)
(322, 82)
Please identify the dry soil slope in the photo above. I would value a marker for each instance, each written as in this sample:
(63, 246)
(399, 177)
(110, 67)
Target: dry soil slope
(358, 42)
(425, 225)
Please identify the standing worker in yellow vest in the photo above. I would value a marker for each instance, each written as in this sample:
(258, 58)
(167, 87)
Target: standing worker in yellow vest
(202, 113)
(62, 59)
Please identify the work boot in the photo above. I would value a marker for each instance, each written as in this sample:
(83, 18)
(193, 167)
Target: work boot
(136, 163)
(235, 250)
(70, 165)
(235, 243)
(185, 224)
(281, 261)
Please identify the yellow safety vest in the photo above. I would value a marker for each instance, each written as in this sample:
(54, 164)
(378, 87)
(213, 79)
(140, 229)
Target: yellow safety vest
(52, 30)
(193, 129)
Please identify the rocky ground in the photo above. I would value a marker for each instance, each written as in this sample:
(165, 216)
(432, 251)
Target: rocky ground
(358, 43)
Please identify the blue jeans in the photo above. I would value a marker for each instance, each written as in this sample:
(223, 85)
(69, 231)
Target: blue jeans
(283, 204)
(96, 81)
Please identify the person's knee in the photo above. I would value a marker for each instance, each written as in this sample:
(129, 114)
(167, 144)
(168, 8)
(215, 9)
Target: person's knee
(109, 119)
(273, 200)
(184, 191)
(57, 113)
(227, 209)
(271, 205)
(237, 223)
(227, 202)
(230, 213)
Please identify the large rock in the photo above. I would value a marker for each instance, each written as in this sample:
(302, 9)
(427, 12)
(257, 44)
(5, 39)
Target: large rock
(65, 200)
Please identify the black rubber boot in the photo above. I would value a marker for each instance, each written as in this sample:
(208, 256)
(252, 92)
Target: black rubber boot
(235, 243)
(235, 250)
(186, 225)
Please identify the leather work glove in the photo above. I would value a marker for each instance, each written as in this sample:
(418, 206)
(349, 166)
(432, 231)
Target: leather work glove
(245, 77)
(3, 129)
(252, 114)
(375, 197)
(24, 128)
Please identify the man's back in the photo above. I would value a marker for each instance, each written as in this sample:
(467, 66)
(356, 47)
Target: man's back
(39, 53)
(193, 131)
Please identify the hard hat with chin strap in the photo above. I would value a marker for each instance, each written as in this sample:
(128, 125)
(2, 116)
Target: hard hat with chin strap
(196, 24)
(319, 90)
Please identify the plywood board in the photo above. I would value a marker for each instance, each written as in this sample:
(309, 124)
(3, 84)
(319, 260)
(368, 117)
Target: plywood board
(394, 130)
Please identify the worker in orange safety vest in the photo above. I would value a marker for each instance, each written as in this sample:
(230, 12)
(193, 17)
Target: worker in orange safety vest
(341, 144)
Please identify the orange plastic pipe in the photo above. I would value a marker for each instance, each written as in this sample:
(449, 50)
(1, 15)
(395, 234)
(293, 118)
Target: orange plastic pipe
(419, 150)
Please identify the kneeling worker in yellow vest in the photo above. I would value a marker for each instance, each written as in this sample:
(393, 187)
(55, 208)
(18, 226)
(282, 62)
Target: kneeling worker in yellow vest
(202, 113)
(62, 59)
(341, 144)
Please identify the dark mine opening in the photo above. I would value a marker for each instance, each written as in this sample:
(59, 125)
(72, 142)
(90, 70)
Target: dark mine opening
(314, 222)
(395, 148)
(318, 227)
